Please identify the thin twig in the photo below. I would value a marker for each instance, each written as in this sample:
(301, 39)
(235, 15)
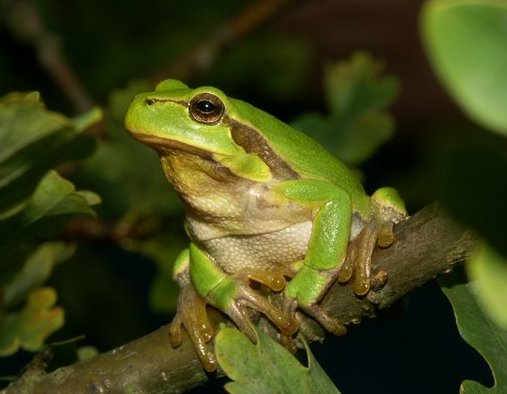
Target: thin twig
(203, 55)
(25, 22)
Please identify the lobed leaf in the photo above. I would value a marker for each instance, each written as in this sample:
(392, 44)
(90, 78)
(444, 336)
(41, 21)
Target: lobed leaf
(32, 325)
(244, 362)
(478, 330)
(357, 96)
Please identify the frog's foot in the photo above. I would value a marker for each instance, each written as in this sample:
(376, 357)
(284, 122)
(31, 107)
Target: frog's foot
(358, 261)
(192, 315)
(290, 305)
(326, 321)
(275, 281)
(387, 210)
(246, 298)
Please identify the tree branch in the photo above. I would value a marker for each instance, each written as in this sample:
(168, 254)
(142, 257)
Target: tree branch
(427, 244)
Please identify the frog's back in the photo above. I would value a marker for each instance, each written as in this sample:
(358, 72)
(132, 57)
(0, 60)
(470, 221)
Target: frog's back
(306, 157)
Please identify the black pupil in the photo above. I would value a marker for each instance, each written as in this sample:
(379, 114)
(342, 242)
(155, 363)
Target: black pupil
(205, 106)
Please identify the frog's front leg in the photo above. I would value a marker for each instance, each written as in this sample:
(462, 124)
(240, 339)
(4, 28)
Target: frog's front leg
(203, 282)
(327, 247)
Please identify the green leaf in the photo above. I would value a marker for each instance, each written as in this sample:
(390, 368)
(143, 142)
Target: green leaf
(467, 45)
(44, 215)
(281, 372)
(32, 141)
(54, 197)
(357, 95)
(478, 330)
(30, 327)
(488, 269)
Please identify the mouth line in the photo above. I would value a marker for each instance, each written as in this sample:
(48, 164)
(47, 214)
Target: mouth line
(163, 144)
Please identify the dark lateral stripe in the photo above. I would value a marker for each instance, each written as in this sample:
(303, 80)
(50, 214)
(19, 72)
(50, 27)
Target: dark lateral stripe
(253, 142)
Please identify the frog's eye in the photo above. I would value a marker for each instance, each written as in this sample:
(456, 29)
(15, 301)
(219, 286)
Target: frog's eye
(206, 108)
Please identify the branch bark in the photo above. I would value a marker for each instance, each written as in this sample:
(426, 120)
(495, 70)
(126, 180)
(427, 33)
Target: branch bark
(427, 244)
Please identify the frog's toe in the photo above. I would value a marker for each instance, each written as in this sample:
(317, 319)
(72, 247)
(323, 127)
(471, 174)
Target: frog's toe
(347, 269)
(357, 265)
(385, 237)
(325, 320)
(290, 305)
(193, 316)
(275, 281)
(175, 333)
(248, 297)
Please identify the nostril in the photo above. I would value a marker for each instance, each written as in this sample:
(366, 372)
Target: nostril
(150, 101)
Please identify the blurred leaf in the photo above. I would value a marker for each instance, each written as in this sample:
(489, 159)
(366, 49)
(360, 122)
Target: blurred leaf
(29, 328)
(357, 95)
(488, 269)
(86, 352)
(32, 141)
(268, 66)
(44, 215)
(467, 44)
(83, 121)
(35, 204)
(36, 271)
(244, 362)
(356, 86)
(163, 293)
(479, 331)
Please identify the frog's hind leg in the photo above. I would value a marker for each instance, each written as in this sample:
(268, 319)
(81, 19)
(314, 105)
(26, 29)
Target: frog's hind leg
(233, 295)
(192, 315)
(245, 298)
(358, 261)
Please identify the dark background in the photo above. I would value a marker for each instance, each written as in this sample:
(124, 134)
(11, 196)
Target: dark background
(278, 66)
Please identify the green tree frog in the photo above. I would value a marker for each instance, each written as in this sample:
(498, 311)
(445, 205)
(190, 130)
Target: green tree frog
(264, 203)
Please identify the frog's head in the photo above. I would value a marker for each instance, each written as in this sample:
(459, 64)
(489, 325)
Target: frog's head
(177, 117)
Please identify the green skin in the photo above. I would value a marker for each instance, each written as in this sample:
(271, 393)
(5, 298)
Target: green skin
(264, 202)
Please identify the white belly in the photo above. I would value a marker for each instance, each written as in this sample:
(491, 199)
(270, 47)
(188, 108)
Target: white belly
(262, 251)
